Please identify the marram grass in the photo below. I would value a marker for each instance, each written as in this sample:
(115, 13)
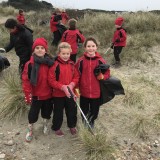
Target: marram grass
(11, 96)
(97, 146)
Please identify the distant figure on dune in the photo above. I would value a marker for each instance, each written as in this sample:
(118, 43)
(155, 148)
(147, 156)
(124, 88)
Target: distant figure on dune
(118, 40)
(54, 21)
(20, 17)
(65, 17)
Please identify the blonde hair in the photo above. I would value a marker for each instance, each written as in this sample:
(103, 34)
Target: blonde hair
(63, 45)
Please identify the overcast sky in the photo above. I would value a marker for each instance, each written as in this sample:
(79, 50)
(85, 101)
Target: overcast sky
(127, 5)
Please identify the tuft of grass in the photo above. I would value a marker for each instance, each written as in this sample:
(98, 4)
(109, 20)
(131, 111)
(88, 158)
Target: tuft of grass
(133, 98)
(97, 146)
(11, 97)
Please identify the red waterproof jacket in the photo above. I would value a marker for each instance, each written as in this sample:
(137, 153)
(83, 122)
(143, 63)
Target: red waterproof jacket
(55, 19)
(119, 34)
(21, 19)
(62, 73)
(73, 37)
(88, 84)
(65, 17)
(42, 90)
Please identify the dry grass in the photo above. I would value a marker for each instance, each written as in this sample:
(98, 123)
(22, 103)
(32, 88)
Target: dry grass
(11, 97)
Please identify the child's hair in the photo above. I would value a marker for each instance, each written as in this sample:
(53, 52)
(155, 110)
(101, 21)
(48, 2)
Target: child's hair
(90, 39)
(20, 11)
(64, 45)
(72, 23)
(57, 10)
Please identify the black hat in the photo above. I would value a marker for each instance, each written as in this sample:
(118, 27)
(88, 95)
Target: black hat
(11, 23)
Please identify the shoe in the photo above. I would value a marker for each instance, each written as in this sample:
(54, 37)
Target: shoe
(29, 135)
(59, 133)
(73, 131)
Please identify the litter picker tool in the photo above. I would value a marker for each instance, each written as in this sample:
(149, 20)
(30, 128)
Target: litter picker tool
(72, 96)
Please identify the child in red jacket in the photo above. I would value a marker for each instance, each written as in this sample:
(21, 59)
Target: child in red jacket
(62, 75)
(20, 17)
(35, 85)
(118, 41)
(54, 21)
(89, 84)
(73, 36)
(65, 17)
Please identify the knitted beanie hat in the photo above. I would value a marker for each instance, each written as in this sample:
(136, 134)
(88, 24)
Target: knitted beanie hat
(119, 21)
(40, 42)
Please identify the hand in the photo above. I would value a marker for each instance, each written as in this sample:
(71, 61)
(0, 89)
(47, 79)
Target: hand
(2, 50)
(65, 90)
(71, 85)
(117, 40)
(28, 98)
(100, 76)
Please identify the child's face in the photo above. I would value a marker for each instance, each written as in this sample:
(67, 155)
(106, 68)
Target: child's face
(12, 30)
(40, 51)
(117, 26)
(91, 48)
(65, 54)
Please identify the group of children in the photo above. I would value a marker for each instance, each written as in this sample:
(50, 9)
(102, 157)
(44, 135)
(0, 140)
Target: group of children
(48, 81)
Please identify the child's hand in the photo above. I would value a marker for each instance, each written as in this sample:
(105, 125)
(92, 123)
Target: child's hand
(77, 92)
(100, 76)
(71, 85)
(65, 90)
(28, 98)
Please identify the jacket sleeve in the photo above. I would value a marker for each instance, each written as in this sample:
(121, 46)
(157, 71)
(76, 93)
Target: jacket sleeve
(81, 37)
(52, 78)
(10, 45)
(26, 85)
(107, 73)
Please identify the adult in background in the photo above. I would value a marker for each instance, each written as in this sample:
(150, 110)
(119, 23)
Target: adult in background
(21, 39)
(54, 21)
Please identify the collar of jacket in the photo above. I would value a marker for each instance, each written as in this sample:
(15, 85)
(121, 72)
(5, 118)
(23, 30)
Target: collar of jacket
(59, 59)
(97, 55)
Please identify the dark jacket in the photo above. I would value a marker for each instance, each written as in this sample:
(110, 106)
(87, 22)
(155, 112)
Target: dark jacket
(22, 41)
(109, 87)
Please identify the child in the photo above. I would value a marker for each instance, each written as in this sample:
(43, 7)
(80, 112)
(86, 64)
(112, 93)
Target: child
(89, 84)
(35, 85)
(73, 36)
(54, 21)
(20, 17)
(62, 75)
(65, 17)
(118, 41)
